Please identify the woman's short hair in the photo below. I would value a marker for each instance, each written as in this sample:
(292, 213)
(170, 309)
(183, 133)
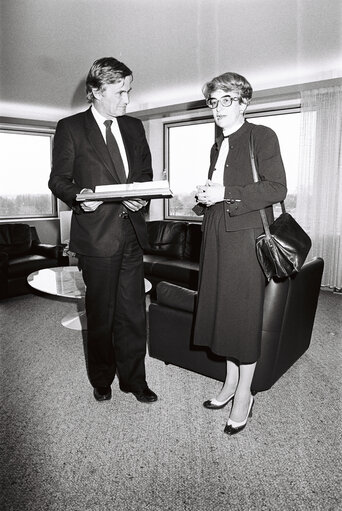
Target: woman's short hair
(104, 71)
(230, 82)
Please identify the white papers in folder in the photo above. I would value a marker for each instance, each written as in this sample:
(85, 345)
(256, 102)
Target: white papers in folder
(132, 187)
(145, 190)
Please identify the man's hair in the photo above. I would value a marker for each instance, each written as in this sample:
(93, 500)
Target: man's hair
(104, 71)
(230, 82)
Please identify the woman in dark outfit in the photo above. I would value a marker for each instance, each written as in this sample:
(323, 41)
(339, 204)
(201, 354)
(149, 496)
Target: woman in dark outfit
(232, 284)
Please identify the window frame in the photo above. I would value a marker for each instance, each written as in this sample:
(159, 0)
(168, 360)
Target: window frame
(39, 130)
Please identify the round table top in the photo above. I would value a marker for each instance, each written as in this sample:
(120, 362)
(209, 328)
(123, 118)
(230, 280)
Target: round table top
(66, 281)
(63, 281)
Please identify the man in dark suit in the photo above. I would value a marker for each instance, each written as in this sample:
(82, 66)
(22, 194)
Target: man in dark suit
(103, 146)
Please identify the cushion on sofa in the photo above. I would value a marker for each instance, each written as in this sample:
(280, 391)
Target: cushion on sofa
(15, 239)
(166, 238)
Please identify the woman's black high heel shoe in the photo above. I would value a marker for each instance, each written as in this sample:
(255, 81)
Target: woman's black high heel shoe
(231, 428)
(213, 404)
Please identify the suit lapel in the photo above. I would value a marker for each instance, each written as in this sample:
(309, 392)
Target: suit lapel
(96, 141)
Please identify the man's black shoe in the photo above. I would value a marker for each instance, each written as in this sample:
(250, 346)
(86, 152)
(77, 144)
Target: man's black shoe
(145, 395)
(102, 393)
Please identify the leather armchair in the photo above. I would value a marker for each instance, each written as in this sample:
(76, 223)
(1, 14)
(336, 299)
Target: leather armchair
(21, 253)
(289, 312)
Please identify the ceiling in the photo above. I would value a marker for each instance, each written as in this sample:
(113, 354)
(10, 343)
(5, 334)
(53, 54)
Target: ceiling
(172, 46)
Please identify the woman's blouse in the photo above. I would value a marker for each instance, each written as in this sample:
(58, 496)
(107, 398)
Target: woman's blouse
(218, 173)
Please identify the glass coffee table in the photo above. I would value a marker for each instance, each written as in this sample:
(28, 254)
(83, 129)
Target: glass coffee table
(67, 282)
(64, 281)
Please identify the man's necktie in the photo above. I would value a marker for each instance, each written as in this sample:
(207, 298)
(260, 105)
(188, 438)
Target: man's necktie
(114, 152)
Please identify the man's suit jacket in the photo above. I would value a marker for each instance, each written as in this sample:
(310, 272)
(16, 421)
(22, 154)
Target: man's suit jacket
(80, 159)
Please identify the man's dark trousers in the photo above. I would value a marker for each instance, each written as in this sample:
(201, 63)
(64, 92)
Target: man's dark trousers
(116, 314)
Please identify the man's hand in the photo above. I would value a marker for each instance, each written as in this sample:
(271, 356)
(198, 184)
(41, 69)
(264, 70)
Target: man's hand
(89, 205)
(134, 205)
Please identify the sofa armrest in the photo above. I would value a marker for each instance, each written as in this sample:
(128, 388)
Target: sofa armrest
(48, 250)
(176, 297)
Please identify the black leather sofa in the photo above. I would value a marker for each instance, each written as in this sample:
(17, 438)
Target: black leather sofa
(289, 313)
(173, 254)
(22, 253)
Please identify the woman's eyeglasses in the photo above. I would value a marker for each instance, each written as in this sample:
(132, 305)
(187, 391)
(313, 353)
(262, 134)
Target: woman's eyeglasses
(224, 101)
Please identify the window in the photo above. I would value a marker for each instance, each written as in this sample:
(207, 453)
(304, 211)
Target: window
(187, 154)
(287, 127)
(25, 163)
(187, 159)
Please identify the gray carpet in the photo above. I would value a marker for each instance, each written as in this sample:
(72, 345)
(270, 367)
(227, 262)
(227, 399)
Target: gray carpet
(61, 450)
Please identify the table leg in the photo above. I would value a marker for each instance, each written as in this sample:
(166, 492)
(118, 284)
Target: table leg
(75, 320)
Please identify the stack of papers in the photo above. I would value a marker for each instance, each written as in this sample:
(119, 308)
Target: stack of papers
(145, 190)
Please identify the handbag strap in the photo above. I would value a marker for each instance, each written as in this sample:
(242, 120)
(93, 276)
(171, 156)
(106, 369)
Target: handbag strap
(256, 179)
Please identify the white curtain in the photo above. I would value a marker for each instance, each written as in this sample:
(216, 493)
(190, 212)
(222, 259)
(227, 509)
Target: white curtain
(319, 198)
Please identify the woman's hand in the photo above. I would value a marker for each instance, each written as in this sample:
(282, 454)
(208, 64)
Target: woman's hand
(210, 193)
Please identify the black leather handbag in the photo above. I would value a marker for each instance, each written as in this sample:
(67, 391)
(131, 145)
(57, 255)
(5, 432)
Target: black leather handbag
(284, 246)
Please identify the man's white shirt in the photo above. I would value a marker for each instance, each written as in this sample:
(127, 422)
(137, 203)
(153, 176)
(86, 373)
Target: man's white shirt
(116, 132)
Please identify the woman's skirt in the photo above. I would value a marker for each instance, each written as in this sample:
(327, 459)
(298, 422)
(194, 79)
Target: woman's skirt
(231, 291)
